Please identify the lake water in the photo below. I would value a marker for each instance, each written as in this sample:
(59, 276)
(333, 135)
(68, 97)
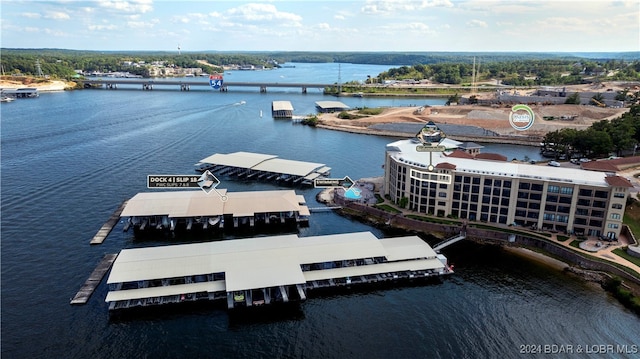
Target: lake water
(70, 158)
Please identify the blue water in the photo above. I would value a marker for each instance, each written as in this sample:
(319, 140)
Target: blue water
(68, 159)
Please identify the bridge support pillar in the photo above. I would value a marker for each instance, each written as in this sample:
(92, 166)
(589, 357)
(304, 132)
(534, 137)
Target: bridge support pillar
(185, 87)
(147, 87)
(304, 90)
(263, 89)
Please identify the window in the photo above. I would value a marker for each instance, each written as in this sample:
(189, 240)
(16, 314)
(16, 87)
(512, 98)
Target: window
(442, 194)
(552, 198)
(618, 195)
(536, 187)
(585, 192)
(566, 190)
(615, 216)
(601, 194)
(584, 202)
(616, 206)
(553, 189)
(487, 182)
(476, 180)
(582, 212)
(613, 225)
(524, 186)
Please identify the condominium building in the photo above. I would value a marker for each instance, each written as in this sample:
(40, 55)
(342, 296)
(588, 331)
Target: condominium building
(490, 189)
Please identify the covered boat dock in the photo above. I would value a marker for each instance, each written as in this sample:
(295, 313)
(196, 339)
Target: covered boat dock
(330, 106)
(281, 109)
(255, 271)
(199, 210)
(263, 167)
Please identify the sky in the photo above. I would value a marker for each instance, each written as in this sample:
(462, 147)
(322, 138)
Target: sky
(309, 25)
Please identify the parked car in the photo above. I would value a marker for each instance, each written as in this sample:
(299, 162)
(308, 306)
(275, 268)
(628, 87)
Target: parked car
(554, 164)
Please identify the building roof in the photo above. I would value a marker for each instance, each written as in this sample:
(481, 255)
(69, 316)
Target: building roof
(612, 165)
(405, 151)
(460, 154)
(617, 181)
(177, 204)
(490, 157)
(446, 166)
(263, 262)
(470, 145)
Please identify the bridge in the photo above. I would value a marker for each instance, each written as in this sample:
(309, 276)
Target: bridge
(450, 241)
(185, 85)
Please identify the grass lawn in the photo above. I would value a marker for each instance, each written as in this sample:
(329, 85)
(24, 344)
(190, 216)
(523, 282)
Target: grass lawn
(388, 208)
(632, 217)
(623, 253)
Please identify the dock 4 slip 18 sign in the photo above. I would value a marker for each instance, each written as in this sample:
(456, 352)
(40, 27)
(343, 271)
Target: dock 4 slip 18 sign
(521, 117)
(215, 81)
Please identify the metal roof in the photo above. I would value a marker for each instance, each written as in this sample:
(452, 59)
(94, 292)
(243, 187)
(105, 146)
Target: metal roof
(263, 262)
(179, 204)
(265, 163)
(281, 106)
(331, 105)
(296, 168)
(237, 159)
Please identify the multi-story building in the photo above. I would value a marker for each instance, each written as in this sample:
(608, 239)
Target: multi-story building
(569, 200)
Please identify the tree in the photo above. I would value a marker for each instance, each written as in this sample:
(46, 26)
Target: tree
(573, 99)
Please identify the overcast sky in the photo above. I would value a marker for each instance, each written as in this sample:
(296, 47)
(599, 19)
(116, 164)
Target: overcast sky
(365, 25)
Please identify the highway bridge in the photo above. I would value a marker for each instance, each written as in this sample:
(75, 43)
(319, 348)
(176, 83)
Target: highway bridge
(185, 85)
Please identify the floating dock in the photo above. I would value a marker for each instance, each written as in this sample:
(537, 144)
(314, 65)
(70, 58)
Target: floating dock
(263, 166)
(281, 109)
(265, 270)
(190, 210)
(106, 228)
(94, 279)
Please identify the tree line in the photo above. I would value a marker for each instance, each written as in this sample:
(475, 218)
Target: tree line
(620, 135)
(443, 67)
(531, 72)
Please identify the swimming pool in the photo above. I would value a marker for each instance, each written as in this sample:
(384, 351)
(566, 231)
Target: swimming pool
(353, 193)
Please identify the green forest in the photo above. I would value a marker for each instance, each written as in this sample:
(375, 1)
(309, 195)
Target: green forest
(517, 69)
(618, 136)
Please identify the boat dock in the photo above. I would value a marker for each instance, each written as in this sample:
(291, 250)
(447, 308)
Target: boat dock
(94, 280)
(281, 109)
(265, 270)
(25, 92)
(106, 228)
(197, 210)
(263, 167)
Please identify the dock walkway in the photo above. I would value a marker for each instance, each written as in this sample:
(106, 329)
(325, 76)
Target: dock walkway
(106, 228)
(94, 279)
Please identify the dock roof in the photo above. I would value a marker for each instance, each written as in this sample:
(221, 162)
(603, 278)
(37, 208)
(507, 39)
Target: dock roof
(264, 262)
(331, 105)
(265, 163)
(238, 159)
(281, 106)
(178, 204)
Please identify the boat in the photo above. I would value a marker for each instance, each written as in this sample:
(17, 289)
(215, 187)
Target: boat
(6, 99)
